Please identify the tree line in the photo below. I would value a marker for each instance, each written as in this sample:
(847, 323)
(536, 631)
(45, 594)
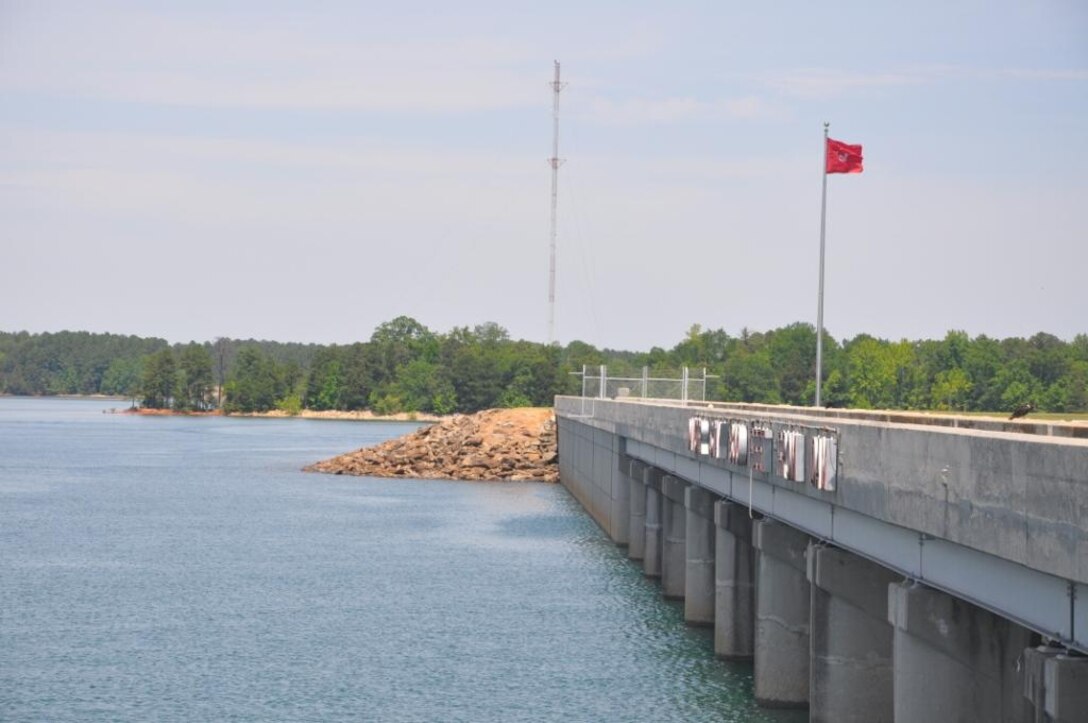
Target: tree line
(404, 366)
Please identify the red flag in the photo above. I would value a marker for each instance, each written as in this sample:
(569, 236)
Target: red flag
(843, 157)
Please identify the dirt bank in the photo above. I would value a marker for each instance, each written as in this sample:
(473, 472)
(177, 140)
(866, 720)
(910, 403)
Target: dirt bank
(496, 444)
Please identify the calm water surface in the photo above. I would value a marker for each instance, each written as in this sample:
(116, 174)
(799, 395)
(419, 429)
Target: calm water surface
(177, 569)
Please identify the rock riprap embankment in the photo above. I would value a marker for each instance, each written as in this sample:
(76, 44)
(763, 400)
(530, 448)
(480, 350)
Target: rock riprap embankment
(495, 444)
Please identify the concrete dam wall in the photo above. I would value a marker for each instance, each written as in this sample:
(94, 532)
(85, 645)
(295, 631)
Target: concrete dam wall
(873, 570)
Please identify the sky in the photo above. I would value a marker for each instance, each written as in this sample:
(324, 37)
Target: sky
(307, 171)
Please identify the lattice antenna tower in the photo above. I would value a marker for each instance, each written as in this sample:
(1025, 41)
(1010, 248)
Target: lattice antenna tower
(555, 161)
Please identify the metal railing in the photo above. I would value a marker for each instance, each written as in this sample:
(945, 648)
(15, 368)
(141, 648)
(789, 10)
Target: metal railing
(597, 384)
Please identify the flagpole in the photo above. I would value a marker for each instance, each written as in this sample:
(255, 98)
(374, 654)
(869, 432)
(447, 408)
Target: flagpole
(820, 297)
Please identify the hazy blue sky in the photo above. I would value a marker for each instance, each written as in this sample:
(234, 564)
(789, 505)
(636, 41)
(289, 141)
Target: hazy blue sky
(306, 171)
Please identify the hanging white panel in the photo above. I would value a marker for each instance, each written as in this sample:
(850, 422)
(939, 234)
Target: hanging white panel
(790, 455)
(719, 433)
(824, 456)
(738, 442)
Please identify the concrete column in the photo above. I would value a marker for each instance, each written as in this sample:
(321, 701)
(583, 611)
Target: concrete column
(652, 548)
(636, 511)
(621, 507)
(1056, 685)
(954, 661)
(850, 675)
(699, 551)
(674, 525)
(782, 616)
(734, 582)
(1066, 699)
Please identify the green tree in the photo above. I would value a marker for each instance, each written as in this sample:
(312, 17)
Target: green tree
(195, 377)
(792, 353)
(1049, 358)
(160, 380)
(255, 386)
(123, 377)
(397, 342)
(982, 361)
(533, 376)
(324, 384)
(951, 390)
(872, 373)
(749, 377)
(476, 378)
(1070, 392)
(422, 386)
(358, 369)
(1016, 385)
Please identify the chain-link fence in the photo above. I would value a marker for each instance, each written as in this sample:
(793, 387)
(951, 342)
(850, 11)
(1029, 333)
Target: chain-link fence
(597, 384)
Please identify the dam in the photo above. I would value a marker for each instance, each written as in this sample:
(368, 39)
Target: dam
(874, 566)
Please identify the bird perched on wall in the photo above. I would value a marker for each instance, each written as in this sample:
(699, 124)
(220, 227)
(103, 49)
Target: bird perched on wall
(1022, 410)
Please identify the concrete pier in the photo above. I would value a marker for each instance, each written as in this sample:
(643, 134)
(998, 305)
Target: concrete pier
(674, 524)
(1056, 685)
(954, 661)
(699, 551)
(636, 510)
(734, 582)
(782, 616)
(652, 547)
(620, 513)
(850, 677)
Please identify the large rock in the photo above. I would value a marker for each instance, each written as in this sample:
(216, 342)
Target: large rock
(496, 444)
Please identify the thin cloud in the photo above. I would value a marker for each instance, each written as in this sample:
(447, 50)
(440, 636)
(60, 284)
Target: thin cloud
(227, 179)
(1076, 75)
(824, 83)
(145, 151)
(637, 111)
(181, 62)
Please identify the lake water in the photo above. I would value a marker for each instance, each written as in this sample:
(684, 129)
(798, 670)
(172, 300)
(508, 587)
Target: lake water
(185, 569)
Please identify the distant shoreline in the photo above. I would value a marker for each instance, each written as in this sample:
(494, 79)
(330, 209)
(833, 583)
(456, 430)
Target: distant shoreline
(333, 414)
(98, 397)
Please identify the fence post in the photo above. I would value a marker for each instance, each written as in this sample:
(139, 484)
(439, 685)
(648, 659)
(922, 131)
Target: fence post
(645, 381)
(604, 376)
